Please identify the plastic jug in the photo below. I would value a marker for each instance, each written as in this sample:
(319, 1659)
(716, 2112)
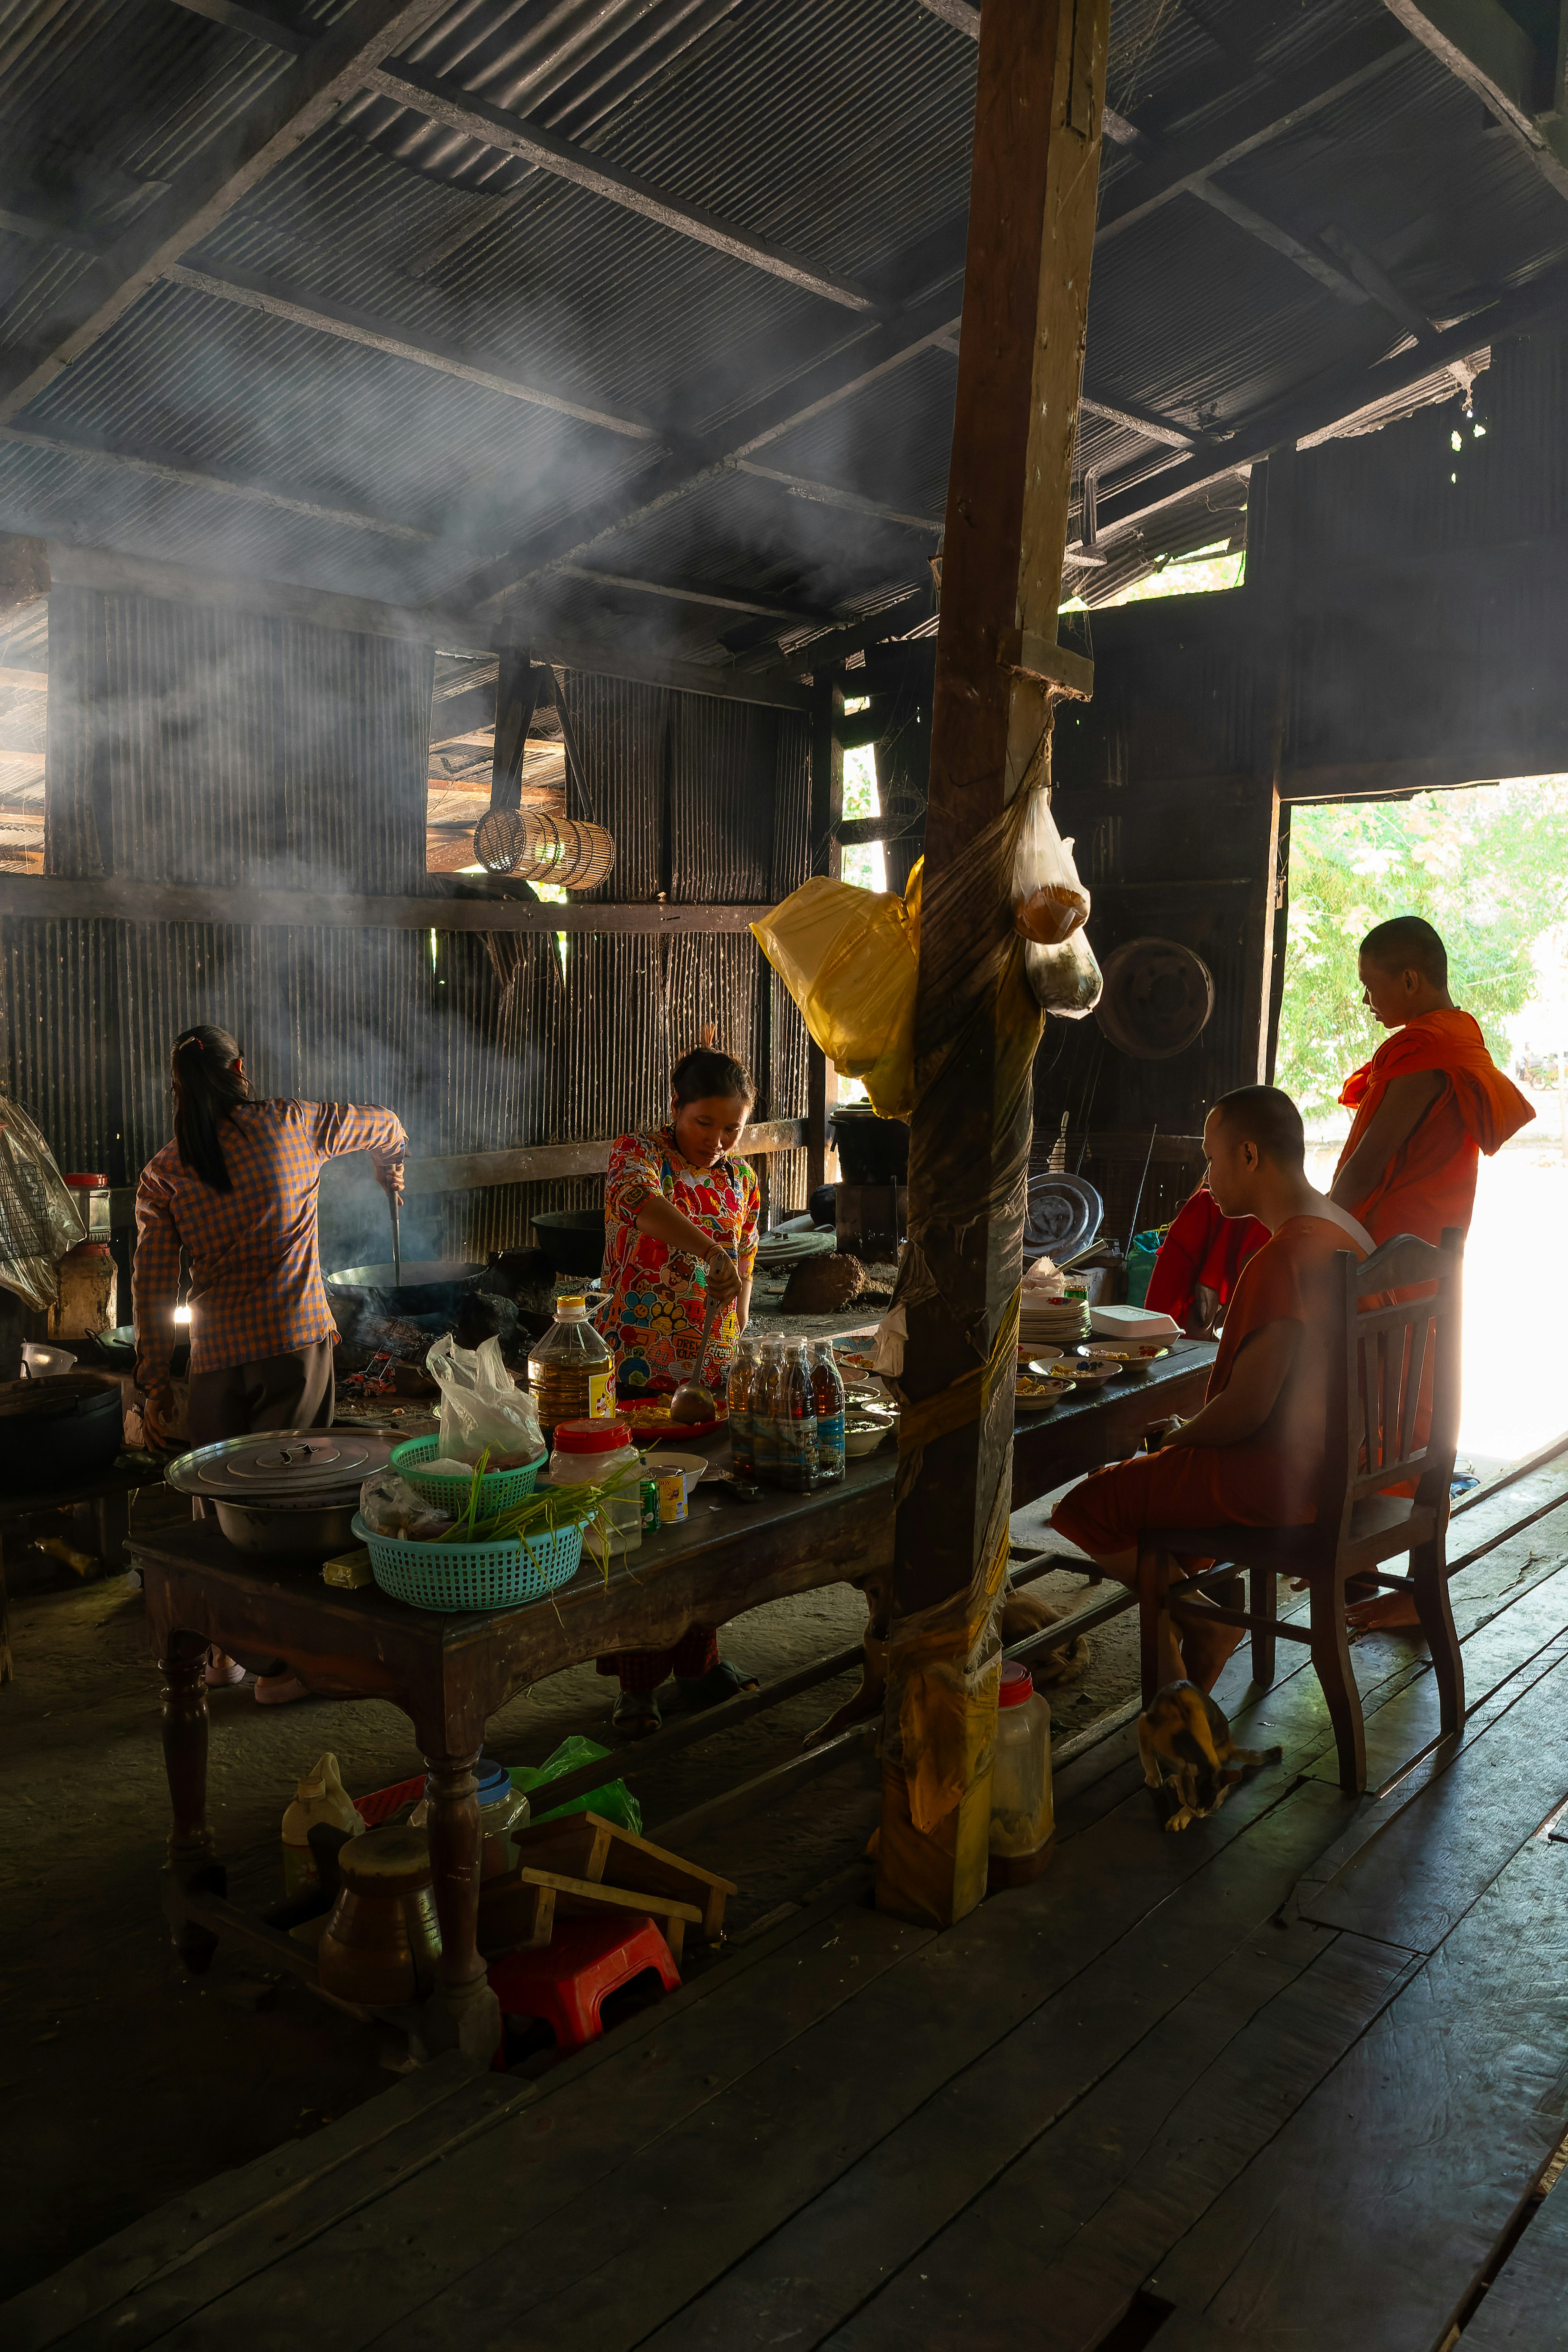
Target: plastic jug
(1022, 1822)
(320, 1797)
(571, 1371)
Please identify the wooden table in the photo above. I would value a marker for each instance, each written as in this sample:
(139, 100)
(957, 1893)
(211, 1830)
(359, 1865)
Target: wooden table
(450, 1674)
(110, 1495)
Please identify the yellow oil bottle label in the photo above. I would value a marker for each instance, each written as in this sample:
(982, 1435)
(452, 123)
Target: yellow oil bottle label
(601, 1395)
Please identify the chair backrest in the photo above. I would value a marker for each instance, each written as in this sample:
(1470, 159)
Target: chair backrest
(1393, 1374)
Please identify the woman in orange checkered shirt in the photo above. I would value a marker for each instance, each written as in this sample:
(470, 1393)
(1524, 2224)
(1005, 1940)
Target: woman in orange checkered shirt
(236, 1190)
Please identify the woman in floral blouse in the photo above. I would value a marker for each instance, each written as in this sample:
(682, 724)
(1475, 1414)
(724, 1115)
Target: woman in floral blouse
(680, 1225)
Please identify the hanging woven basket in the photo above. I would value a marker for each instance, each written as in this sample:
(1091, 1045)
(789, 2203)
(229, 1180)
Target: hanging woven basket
(538, 847)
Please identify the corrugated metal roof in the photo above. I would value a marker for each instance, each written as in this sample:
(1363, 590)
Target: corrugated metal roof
(839, 129)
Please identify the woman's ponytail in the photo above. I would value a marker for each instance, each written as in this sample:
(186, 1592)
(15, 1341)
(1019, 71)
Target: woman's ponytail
(207, 1083)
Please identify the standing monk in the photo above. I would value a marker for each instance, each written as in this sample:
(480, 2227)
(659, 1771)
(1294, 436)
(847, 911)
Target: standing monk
(1253, 1456)
(1429, 1102)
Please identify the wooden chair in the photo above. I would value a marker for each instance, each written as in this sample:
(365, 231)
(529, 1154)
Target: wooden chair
(1379, 1355)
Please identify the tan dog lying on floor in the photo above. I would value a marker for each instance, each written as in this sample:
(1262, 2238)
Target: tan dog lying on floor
(1189, 1756)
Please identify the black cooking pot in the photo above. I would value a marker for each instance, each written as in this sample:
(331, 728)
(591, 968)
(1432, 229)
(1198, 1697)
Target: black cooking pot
(429, 1286)
(61, 1432)
(571, 1239)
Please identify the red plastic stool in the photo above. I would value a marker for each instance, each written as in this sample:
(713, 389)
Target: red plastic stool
(566, 1983)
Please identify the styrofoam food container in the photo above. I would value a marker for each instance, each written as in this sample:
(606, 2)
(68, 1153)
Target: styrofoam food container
(1126, 1323)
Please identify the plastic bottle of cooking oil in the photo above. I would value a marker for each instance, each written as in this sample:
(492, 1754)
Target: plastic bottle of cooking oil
(828, 1387)
(764, 1408)
(794, 1421)
(571, 1372)
(742, 1382)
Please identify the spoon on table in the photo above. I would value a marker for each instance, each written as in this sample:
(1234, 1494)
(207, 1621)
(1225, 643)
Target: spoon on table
(692, 1401)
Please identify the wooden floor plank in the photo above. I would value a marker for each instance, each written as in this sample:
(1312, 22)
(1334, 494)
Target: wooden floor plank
(1526, 2307)
(401, 2249)
(1368, 2217)
(1069, 2232)
(1413, 1881)
(1212, 1946)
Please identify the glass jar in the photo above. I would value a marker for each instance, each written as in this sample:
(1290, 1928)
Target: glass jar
(587, 1452)
(1022, 1822)
(571, 1371)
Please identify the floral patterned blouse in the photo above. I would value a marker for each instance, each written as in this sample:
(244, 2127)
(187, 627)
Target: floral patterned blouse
(653, 1313)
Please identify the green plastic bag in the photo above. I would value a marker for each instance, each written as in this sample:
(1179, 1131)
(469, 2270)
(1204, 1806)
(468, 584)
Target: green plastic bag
(613, 1801)
(1141, 1259)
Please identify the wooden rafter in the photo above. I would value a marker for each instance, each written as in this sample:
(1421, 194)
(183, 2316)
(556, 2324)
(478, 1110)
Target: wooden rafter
(287, 112)
(474, 117)
(256, 24)
(1489, 50)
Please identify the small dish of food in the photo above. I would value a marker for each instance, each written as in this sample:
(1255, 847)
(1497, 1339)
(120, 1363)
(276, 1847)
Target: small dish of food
(1129, 1361)
(863, 1436)
(1036, 1394)
(1088, 1371)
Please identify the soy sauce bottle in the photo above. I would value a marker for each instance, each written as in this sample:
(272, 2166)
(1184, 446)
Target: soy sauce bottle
(742, 1392)
(764, 1407)
(794, 1421)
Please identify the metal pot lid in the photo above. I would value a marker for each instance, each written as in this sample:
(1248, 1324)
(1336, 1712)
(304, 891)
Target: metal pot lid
(1062, 1216)
(284, 1465)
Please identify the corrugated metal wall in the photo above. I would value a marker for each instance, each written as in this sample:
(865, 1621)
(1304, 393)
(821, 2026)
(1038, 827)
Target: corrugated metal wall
(216, 748)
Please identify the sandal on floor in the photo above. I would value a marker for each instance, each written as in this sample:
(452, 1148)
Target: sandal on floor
(712, 1689)
(637, 1713)
(221, 1670)
(279, 1690)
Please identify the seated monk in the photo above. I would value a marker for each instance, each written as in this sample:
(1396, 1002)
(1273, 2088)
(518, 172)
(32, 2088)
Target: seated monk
(1429, 1102)
(1254, 1454)
(1200, 1263)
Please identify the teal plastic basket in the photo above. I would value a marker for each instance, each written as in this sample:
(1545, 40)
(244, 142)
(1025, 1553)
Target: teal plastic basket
(498, 1489)
(457, 1577)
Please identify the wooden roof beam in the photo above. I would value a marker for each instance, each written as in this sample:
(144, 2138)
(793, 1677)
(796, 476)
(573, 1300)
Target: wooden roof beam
(458, 110)
(829, 494)
(680, 593)
(258, 24)
(290, 110)
(1485, 47)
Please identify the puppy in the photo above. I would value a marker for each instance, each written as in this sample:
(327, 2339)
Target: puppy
(1189, 1757)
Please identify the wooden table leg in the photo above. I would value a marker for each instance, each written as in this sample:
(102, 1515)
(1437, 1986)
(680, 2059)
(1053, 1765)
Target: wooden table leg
(191, 1861)
(112, 1513)
(462, 2014)
(7, 1671)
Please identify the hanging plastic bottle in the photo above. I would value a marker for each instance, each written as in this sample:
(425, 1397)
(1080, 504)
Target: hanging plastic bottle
(795, 1422)
(765, 1411)
(320, 1797)
(742, 1382)
(827, 1390)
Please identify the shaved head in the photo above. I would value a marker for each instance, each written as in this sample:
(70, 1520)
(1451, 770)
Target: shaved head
(1408, 944)
(1267, 1117)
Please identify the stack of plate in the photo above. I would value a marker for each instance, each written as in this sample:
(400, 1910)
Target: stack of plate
(1051, 1323)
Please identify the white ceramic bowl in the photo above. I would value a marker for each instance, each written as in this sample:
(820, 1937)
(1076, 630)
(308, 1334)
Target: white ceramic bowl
(664, 1464)
(863, 1436)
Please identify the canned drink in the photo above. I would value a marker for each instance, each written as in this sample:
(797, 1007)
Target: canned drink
(648, 1494)
(672, 1499)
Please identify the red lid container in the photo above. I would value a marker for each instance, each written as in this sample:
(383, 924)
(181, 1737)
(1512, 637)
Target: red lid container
(592, 1436)
(1017, 1685)
(87, 1183)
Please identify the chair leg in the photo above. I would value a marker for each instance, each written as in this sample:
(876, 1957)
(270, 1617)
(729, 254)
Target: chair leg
(1331, 1657)
(1428, 1573)
(1150, 1608)
(1263, 1588)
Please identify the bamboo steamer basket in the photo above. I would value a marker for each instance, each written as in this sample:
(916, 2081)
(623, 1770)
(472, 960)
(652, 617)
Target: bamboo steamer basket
(539, 848)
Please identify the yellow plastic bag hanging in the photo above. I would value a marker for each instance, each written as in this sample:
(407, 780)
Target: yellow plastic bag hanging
(849, 958)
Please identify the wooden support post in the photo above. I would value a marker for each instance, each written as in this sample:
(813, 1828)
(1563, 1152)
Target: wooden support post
(517, 692)
(827, 858)
(1041, 86)
(1271, 582)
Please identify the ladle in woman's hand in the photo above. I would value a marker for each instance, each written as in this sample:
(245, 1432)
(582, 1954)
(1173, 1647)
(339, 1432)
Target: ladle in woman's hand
(691, 1402)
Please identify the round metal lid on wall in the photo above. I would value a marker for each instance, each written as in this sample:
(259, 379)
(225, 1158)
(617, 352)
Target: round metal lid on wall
(1158, 999)
(1062, 1216)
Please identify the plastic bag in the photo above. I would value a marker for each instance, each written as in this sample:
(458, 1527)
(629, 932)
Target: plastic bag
(482, 1406)
(849, 958)
(38, 1218)
(613, 1801)
(1064, 979)
(389, 1506)
(1049, 902)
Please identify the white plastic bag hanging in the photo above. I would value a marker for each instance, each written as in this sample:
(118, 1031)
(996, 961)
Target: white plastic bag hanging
(1049, 902)
(482, 1406)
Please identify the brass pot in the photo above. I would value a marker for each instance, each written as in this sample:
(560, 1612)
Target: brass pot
(380, 1947)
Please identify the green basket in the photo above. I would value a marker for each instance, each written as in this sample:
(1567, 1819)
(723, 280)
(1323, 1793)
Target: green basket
(457, 1577)
(498, 1489)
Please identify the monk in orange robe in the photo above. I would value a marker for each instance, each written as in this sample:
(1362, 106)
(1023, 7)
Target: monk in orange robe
(1429, 1102)
(1254, 1454)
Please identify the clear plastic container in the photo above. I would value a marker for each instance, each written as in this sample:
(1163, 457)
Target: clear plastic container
(827, 1388)
(587, 1451)
(571, 1372)
(795, 1422)
(764, 1410)
(742, 1382)
(1023, 1821)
